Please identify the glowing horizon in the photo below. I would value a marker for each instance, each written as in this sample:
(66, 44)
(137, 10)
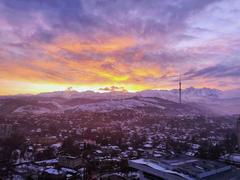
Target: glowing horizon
(50, 46)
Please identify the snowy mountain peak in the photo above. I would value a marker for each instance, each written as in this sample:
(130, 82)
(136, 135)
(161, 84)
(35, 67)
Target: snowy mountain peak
(188, 94)
(202, 92)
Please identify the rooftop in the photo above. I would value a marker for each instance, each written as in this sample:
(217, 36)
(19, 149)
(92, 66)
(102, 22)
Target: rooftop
(185, 167)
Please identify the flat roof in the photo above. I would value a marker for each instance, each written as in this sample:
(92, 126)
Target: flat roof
(188, 167)
(202, 167)
(158, 167)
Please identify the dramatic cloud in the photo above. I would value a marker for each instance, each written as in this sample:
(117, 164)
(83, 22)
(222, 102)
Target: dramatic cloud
(136, 45)
(218, 71)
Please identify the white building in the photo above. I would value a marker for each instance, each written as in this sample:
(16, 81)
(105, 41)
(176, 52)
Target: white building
(182, 168)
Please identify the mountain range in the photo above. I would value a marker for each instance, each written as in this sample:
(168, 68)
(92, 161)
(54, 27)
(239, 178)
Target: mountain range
(194, 101)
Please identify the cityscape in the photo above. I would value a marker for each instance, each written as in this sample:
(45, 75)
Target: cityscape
(119, 90)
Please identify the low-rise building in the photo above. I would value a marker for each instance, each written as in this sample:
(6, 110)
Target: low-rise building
(70, 161)
(183, 168)
(231, 159)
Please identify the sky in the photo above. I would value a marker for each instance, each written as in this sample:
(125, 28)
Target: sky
(121, 45)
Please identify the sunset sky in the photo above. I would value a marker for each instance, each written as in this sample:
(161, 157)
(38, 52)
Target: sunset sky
(50, 45)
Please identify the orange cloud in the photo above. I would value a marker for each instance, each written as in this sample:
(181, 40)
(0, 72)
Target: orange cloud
(58, 71)
(77, 45)
(90, 73)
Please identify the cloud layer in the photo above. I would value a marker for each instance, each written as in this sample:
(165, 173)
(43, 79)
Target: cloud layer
(135, 45)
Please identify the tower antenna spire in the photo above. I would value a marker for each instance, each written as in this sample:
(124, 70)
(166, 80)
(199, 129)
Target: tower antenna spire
(180, 89)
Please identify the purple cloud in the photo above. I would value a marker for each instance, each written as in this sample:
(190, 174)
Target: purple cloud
(173, 36)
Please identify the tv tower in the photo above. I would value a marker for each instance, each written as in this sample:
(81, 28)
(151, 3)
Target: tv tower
(180, 89)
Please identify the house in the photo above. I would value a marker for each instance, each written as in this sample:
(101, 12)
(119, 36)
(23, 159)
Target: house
(70, 161)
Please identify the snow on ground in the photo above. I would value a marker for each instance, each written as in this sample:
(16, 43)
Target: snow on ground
(53, 171)
(32, 109)
(111, 105)
(17, 177)
(67, 170)
(49, 161)
(57, 145)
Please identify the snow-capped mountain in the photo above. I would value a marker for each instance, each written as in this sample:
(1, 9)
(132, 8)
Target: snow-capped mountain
(219, 102)
(202, 92)
(195, 100)
(88, 94)
(40, 105)
(110, 105)
(65, 94)
(188, 95)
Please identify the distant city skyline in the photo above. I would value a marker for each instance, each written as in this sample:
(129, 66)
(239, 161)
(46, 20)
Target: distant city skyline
(118, 45)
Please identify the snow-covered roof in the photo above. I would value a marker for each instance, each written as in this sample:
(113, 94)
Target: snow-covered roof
(53, 171)
(68, 170)
(49, 161)
(57, 145)
(147, 146)
(158, 167)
